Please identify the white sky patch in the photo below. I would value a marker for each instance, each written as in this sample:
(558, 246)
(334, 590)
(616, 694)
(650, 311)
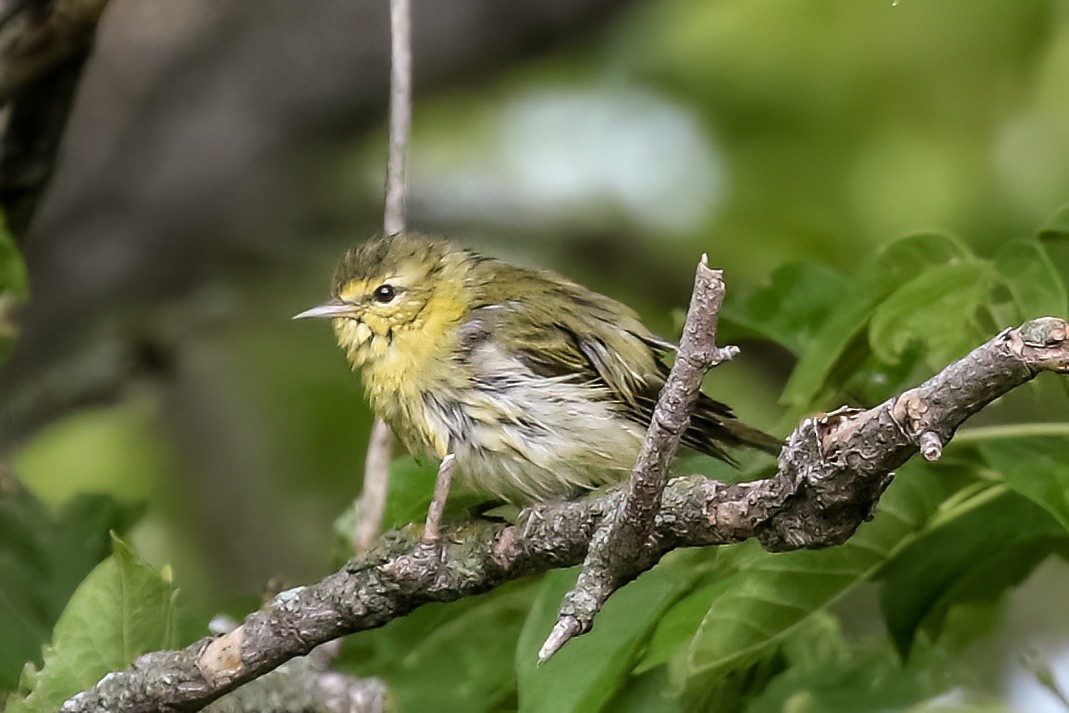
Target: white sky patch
(584, 155)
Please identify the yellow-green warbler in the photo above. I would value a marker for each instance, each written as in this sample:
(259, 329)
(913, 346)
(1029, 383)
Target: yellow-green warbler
(538, 386)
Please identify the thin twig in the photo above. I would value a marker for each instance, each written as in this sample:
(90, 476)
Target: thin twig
(619, 547)
(372, 503)
(400, 131)
(400, 113)
(831, 473)
(442, 483)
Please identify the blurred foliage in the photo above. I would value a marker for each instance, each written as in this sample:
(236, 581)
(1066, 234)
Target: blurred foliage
(118, 451)
(826, 672)
(13, 289)
(42, 559)
(409, 652)
(869, 175)
(123, 609)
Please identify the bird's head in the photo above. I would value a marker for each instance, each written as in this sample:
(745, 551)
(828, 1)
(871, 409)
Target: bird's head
(405, 286)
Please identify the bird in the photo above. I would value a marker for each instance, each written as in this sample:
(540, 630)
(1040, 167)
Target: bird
(537, 387)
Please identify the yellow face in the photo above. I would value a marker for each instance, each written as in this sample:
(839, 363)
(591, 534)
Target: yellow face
(382, 305)
(395, 296)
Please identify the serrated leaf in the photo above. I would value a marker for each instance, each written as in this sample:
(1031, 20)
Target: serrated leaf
(124, 608)
(447, 657)
(935, 309)
(763, 601)
(42, 560)
(990, 543)
(896, 264)
(1030, 276)
(587, 673)
(1037, 468)
(791, 308)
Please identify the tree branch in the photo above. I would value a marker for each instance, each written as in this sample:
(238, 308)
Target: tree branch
(831, 473)
(303, 684)
(618, 548)
(43, 46)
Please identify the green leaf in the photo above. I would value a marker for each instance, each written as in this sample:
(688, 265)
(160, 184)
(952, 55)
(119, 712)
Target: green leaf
(1037, 468)
(646, 692)
(830, 673)
(1054, 238)
(587, 673)
(1056, 226)
(447, 657)
(117, 449)
(676, 629)
(410, 489)
(831, 676)
(12, 270)
(990, 542)
(791, 308)
(42, 560)
(124, 608)
(767, 597)
(896, 264)
(13, 289)
(1027, 271)
(936, 309)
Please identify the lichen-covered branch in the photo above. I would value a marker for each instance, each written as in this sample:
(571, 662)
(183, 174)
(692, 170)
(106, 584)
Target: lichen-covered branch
(618, 548)
(831, 473)
(305, 683)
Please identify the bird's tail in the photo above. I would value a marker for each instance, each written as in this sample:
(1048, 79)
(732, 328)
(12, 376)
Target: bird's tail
(752, 437)
(713, 426)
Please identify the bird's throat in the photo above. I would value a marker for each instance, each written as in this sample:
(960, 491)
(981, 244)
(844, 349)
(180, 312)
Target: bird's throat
(399, 362)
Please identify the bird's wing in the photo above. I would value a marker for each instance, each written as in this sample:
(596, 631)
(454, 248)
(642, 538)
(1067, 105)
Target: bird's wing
(560, 329)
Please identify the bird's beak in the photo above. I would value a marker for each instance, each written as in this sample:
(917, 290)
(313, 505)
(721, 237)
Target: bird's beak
(328, 310)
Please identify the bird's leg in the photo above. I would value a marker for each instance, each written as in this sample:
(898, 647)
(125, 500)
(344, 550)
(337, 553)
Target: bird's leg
(441, 492)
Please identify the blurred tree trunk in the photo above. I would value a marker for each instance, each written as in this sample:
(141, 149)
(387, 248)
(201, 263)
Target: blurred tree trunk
(176, 163)
(184, 154)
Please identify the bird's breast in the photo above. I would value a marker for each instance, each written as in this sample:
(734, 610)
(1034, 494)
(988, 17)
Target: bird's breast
(404, 367)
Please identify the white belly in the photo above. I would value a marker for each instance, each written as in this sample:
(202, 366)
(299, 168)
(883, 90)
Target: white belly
(523, 437)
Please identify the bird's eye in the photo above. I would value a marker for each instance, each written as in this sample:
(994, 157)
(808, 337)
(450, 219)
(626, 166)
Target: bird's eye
(385, 293)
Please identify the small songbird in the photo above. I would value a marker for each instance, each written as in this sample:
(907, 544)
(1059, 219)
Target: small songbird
(539, 387)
